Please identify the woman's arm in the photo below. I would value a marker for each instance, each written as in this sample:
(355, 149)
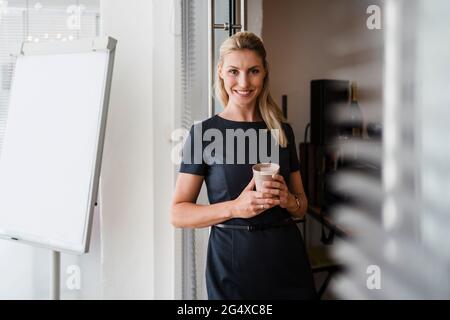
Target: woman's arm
(286, 193)
(185, 213)
(296, 188)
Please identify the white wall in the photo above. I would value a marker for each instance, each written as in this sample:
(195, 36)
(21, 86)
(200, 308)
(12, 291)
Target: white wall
(17, 271)
(255, 16)
(166, 91)
(137, 238)
(127, 173)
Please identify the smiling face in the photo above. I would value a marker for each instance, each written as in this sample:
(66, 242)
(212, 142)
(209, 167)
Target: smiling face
(243, 75)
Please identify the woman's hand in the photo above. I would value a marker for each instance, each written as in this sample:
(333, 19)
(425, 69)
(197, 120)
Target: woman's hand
(279, 188)
(250, 203)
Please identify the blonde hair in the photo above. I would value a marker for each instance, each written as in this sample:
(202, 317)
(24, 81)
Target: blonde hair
(269, 109)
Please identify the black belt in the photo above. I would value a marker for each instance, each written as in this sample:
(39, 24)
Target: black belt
(282, 223)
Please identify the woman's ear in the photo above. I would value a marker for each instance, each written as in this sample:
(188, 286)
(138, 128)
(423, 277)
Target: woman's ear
(219, 71)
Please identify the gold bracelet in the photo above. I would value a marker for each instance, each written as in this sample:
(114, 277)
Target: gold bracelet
(297, 200)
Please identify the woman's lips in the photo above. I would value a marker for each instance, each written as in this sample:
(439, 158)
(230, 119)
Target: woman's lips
(243, 93)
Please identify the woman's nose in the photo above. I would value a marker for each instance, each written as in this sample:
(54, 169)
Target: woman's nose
(243, 80)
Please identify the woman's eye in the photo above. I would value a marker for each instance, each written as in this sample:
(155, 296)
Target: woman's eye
(255, 71)
(233, 72)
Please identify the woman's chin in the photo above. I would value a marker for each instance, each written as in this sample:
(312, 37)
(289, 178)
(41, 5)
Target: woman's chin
(244, 100)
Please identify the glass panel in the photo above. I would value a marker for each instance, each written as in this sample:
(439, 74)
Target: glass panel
(222, 12)
(194, 74)
(194, 107)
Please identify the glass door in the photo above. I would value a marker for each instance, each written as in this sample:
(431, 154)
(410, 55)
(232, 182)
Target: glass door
(225, 18)
(205, 25)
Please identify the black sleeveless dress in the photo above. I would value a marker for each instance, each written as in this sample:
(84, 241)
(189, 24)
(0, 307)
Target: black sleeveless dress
(259, 264)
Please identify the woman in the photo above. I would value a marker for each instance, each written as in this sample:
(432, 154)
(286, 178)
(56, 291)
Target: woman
(255, 250)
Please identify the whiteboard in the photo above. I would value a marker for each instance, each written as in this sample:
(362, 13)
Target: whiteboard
(51, 156)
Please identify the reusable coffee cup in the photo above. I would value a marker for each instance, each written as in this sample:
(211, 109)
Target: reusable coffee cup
(263, 172)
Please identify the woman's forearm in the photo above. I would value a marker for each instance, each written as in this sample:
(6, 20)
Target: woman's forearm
(191, 215)
(294, 209)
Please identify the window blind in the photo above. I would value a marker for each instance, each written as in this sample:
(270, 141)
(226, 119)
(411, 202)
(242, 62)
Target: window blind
(407, 256)
(39, 21)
